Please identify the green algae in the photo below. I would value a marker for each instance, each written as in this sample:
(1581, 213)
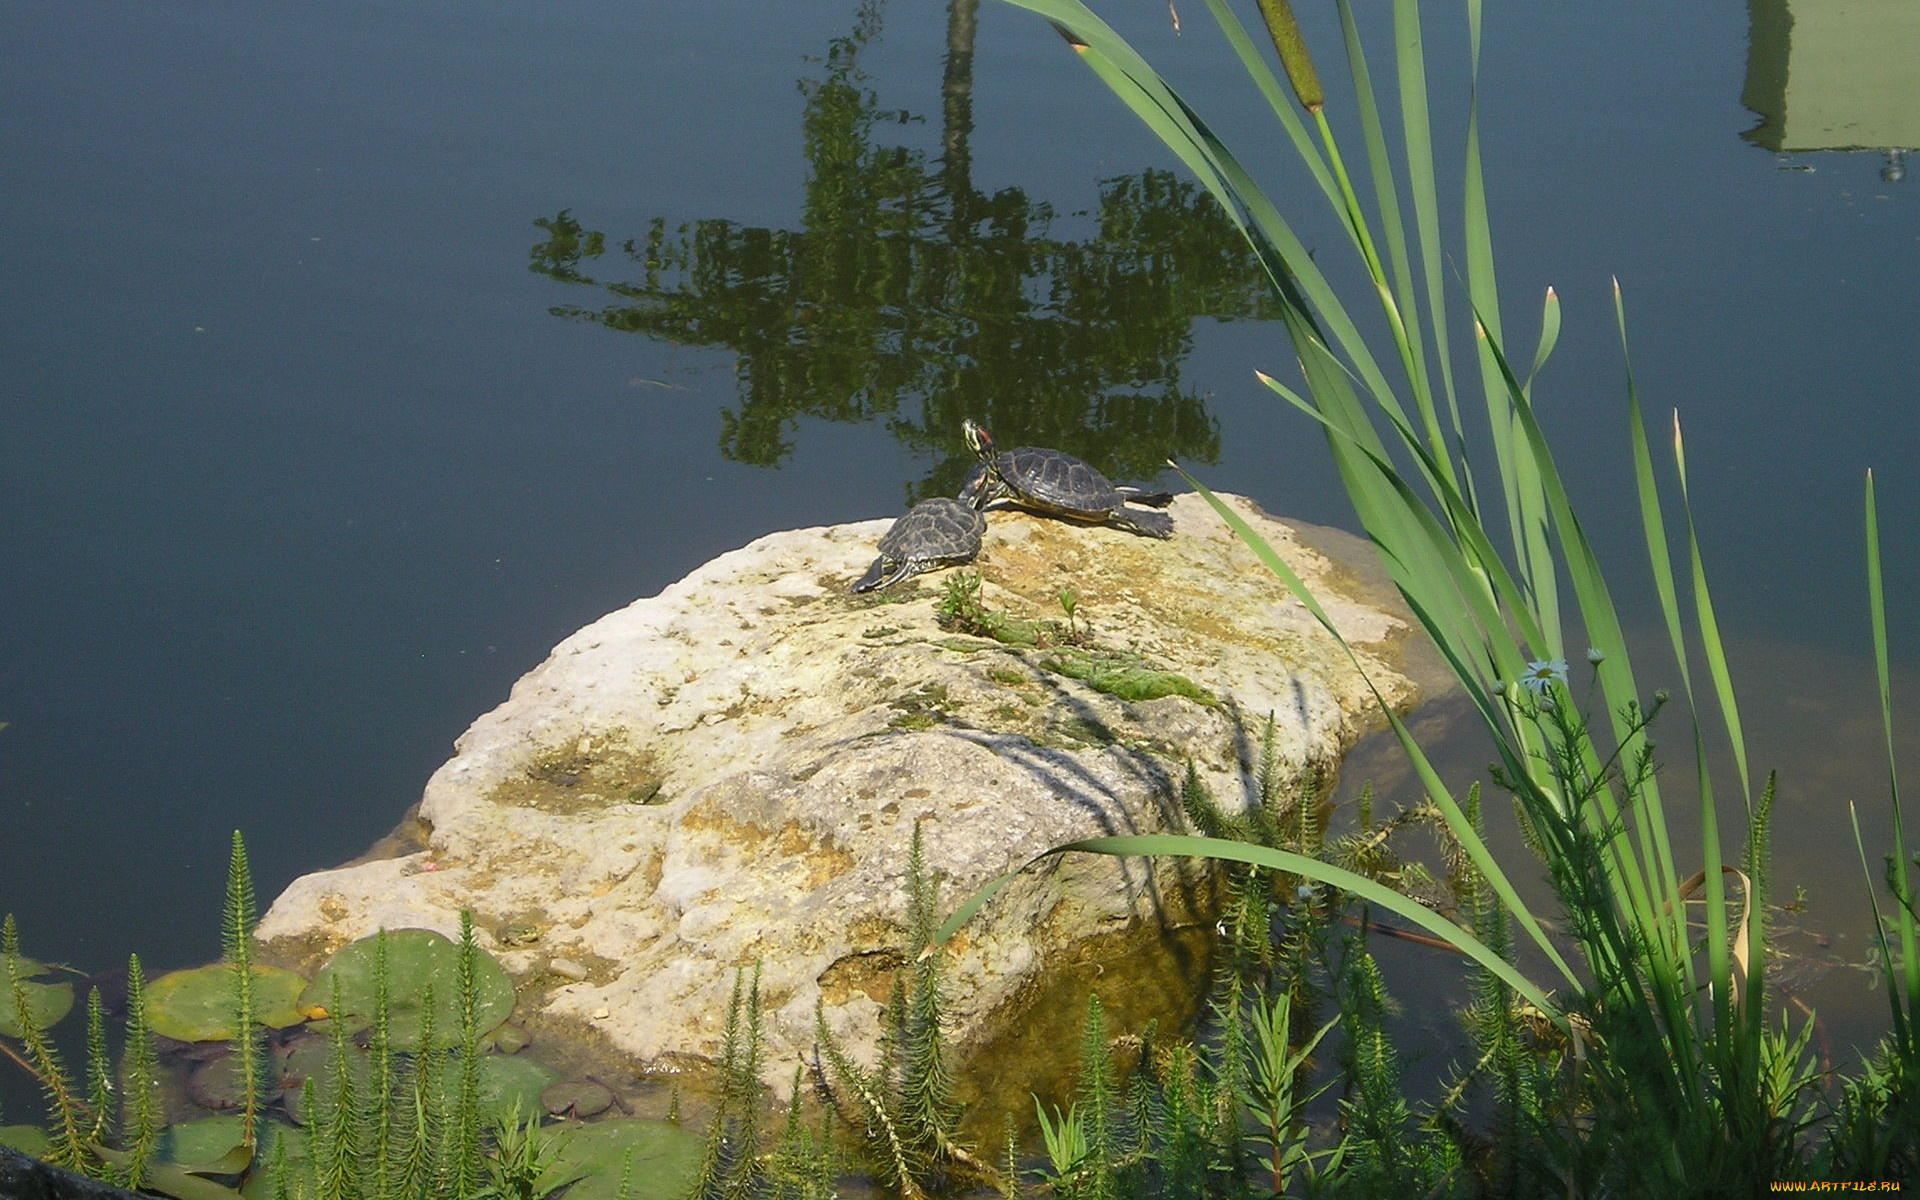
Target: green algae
(1124, 675)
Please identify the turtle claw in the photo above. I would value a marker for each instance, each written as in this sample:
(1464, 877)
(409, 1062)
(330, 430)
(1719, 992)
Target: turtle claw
(1147, 524)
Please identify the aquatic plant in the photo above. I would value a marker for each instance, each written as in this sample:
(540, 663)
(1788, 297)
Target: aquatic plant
(1687, 1083)
(905, 1104)
(1875, 1131)
(380, 1119)
(66, 1147)
(237, 938)
(140, 1122)
(729, 1164)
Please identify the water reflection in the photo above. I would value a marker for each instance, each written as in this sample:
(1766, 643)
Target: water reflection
(1834, 75)
(911, 295)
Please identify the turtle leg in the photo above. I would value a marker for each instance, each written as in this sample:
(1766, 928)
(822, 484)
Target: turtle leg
(1133, 495)
(1142, 522)
(885, 572)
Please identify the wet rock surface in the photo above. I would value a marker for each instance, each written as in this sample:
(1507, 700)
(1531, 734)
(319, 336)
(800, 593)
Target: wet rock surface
(730, 773)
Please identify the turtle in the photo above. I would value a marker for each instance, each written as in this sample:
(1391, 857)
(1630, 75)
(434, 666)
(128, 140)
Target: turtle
(933, 533)
(1060, 485)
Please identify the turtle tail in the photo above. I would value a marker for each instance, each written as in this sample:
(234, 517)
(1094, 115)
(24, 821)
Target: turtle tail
(1141, 521)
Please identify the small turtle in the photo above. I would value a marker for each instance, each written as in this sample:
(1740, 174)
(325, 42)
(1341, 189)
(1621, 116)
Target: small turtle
(1060, 485)
(933, 533)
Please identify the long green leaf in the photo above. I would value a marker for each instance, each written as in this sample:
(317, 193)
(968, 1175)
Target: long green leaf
(1903, 915)
(1657, 853)
(1280, 860)
(1651, 901)
(1457, 820)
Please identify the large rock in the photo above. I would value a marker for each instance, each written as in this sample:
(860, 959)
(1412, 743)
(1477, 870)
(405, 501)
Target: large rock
(730, 772)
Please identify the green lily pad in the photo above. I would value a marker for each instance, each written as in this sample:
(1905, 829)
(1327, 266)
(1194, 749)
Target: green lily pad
(307, 1054)
(171, 1179)
(46, 1002)
(212, 1146)
(509, 1086)
(215, 1084)
(196, 1005)
(317, 1063)
(418, 961)
(30, 1140)
(259, 1184)
(577, 1098)
(664, 1160)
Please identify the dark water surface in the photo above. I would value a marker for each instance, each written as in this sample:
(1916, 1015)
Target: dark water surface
(301, 465)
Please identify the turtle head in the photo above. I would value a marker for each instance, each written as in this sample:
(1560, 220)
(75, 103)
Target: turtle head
(978, 439)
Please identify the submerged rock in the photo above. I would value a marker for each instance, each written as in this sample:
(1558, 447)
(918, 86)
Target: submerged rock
(729, 774)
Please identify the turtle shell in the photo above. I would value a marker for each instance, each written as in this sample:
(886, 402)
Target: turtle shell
(934, 531)
(1057, 482)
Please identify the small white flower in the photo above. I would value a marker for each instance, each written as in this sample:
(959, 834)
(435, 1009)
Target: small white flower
(1595, 655)
(1542, 672)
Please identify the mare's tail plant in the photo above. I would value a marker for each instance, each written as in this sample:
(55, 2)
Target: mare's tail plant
(66, 1141)
(422, 1118)
(802, 1164)
(140, 1122)
(907, 1103)
(463, 1128)
(99, 1070)
(338, 1145)
(1083, 1143)
(381, 1119)
(249, 1048)
(1382, 1155)
(730, 1163)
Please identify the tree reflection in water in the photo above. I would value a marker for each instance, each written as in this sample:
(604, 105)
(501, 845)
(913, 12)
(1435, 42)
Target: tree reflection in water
(909, 294)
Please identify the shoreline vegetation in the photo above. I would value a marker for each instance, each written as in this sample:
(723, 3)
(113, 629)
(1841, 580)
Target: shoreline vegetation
(1686, 1083)
(1623, 1042)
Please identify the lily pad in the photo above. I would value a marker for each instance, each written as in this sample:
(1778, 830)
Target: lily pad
(46, 1002)
(307, 1054)
(664, 1159)
(30, 1140)
(259, 1184)
(196, 1005)
(213, 1146)
(509, 1086)
(419, 961)
(317, 1063)
(215, 1084)
(577, 1098)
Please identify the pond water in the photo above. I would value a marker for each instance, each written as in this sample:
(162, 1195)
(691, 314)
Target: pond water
(356, 354)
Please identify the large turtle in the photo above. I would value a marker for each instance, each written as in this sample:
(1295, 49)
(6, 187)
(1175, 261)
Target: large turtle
(1060, 485)
(933, 533)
